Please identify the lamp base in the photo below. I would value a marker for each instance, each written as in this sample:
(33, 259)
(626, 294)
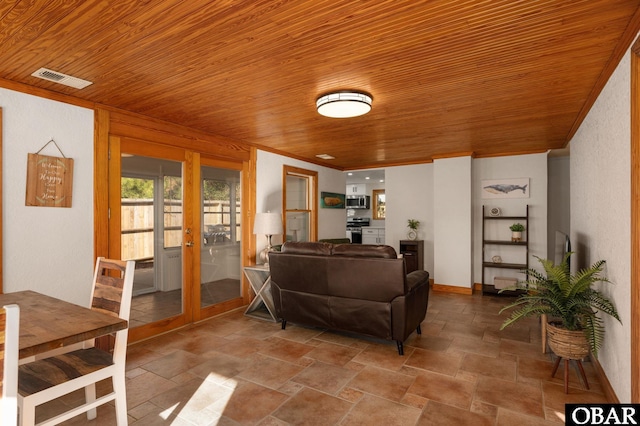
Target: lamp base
(263, 256)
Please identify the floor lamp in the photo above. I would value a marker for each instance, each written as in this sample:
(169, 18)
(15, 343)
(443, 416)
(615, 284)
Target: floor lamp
(268, 224)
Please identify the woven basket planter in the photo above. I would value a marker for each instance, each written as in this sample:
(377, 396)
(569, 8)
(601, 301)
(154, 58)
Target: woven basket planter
(567, 344)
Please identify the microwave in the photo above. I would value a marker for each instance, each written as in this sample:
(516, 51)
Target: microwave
(358, 201)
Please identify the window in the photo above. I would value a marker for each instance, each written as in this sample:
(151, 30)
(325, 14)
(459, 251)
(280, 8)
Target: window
(172, 209)
(300, 204)
(137, 218)
(221, 210)
(379, 204)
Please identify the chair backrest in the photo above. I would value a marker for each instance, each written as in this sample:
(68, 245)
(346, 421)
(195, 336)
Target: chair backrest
(9, 339)
(113, 287)
(112, 292)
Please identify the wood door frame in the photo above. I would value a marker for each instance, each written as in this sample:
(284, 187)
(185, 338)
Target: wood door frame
(111, 124)
(153, 150)
(635, 222)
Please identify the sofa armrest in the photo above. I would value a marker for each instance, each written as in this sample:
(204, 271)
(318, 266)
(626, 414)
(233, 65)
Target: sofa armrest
(408, 311)
(416, 279)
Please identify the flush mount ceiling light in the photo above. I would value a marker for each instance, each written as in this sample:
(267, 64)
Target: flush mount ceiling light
(344, 104)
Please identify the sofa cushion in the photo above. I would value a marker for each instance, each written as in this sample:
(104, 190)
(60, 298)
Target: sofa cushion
(365, 250)
(307, 247)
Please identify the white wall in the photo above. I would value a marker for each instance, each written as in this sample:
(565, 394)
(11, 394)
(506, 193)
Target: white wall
(534, 167)
(559, 200)
(409, 194)
(332, 223)
(46, 249)
(452, 216)
(600, 213)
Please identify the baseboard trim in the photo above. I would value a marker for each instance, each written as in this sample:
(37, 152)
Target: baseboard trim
(452, 289)
(604, 382)
(477, 286)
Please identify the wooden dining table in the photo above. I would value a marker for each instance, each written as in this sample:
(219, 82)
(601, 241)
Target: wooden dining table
(47, 323)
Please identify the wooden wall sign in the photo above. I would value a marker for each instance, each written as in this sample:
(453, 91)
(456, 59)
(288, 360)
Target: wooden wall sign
(49, 181)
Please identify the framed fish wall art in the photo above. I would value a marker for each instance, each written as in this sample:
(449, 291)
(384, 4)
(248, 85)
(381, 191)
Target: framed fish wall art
(506, 188)
(331, 200)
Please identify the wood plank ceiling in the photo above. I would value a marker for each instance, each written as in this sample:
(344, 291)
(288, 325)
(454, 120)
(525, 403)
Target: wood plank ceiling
(447, 77)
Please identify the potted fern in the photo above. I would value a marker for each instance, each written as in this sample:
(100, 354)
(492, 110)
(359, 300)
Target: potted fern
(570, 301)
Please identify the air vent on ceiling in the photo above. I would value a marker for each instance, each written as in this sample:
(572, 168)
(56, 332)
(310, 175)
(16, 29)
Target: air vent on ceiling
(58, 77)
(326, 156)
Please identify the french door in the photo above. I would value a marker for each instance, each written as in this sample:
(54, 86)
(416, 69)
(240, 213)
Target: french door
(178, 215)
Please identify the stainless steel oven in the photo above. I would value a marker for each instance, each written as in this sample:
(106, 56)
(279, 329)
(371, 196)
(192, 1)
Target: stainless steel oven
(354, 228)
(356, 235)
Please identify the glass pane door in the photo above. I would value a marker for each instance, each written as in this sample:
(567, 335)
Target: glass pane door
(178, 215)
(151, 234)
(220, 271)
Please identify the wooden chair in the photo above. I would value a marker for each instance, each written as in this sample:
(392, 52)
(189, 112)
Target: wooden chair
(9, 336)
(50, 378)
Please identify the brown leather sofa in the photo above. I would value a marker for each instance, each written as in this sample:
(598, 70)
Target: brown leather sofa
(357, 288)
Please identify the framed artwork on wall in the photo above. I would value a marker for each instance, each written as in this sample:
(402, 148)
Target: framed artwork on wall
(331, 200)
(506, 188)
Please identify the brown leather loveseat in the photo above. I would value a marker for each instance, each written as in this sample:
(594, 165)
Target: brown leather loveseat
(356, 288)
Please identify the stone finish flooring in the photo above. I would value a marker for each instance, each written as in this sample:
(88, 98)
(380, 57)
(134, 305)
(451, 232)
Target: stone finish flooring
(462, 370)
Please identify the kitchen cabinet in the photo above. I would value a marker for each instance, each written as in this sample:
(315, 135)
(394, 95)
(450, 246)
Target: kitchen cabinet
(372, 235)
(360, 189)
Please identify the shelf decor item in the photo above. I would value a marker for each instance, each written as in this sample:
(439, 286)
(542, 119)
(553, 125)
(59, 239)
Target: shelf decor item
(413, 225)
(516, 232)
(495, 212)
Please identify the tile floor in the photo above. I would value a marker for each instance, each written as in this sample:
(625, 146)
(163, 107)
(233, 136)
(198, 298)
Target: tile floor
(158, 305)
(235, 370)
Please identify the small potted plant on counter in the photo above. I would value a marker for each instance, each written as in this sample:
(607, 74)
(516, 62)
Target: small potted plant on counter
(516, 232)
(413, 228)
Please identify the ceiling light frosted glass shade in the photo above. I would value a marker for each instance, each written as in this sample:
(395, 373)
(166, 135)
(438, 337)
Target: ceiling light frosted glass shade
(343, 104)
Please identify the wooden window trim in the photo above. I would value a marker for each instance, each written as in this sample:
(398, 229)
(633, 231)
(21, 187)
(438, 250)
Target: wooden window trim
(313, 195)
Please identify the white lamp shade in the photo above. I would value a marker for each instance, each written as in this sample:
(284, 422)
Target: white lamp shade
(268, 224)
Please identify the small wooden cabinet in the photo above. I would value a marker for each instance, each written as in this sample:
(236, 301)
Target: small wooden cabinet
(413, 253)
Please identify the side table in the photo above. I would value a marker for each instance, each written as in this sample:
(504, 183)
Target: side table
(262, 306)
